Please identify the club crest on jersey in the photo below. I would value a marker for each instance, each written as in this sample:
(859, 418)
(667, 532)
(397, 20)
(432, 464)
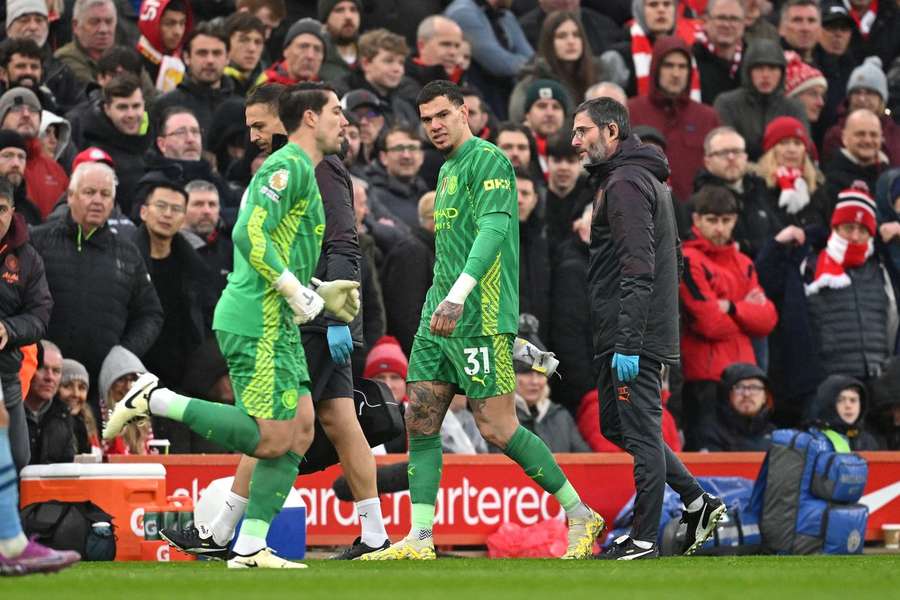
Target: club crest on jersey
(496, 184)
(452, 185)
(278, 180)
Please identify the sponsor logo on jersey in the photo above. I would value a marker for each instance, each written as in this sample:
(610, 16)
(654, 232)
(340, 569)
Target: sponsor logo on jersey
(269, 193)
(496, 184)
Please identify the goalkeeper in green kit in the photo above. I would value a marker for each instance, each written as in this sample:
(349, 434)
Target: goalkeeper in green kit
(469, 321)
(277, 239)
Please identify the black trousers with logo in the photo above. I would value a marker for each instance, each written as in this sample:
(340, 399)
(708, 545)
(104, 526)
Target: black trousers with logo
(631, 418)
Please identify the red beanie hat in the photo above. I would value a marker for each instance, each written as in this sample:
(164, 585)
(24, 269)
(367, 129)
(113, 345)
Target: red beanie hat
(799, 76)
(855, 205)
(782, 128)
(386, 356)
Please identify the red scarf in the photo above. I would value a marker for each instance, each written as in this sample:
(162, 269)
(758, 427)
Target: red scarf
(839, 255)
(794, 194)
(540, 143)
(642, 53)
(864, 21)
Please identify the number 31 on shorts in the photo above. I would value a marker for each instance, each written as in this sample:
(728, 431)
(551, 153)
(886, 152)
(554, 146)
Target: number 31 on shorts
(477, 360)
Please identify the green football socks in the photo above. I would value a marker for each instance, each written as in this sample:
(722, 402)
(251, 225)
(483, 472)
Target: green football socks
(270, 485)
(224, 424)
(425, 464)
(533, 455)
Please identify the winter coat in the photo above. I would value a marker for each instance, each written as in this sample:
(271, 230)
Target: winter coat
(200, 98)
(683, 122)
(837, 71)
(635, 256)
(334, 66)
(747, 110)
(601, 31)
(843, 170)
(885, 400)
(82, 66)
(217, 251)
(534, 268)
(890, 137)
(814, 214)
(561, 213)
(25, 301)
(729, 431)
(882, 40)
(401, 198)
(67, 90)
(423, 74)
(45, 179)
(25, 207)
(150, 44)
(590, 428)
(127, 152)
(63, 131)
(398, 106)
(710, 339)
(101, 291)
(569, 329)
(196, 169)
(372, 300)
(823, 412)
(51, 435)
(715, 73)
(854, 327)
(757, 222)
(553, 424)
(406, 275)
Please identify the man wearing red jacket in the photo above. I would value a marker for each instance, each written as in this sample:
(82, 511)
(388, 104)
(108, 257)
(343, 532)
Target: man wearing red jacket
(669, 108)
(723, 307)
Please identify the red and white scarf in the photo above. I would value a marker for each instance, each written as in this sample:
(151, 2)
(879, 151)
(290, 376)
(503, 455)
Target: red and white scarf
(735, 60)
(642, 53)
(864, 21)
(839, 255)
(794, 194)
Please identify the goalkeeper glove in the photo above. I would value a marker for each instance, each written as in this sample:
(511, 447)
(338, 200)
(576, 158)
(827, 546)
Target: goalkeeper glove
(539, 360)
(305, 303)
(341, 297)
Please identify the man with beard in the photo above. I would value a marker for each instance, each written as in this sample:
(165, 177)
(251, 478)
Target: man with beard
(20, 66)
(635, 260)
(13, 157)
(341, 21)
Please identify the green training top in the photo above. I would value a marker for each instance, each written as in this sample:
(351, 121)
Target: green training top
(280, 226)
(476, 180)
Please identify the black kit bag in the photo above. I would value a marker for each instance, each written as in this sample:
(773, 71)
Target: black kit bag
(80, 526)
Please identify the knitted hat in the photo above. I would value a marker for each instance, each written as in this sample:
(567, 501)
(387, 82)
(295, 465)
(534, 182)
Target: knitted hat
(16, 96)
(386, 356)
(782, 128)
(834, 11)
(326, 6)
(855, 205)
(307, 25)
(356, 98)
(72, 370)
(12, 139)
(546, 89)
(17, 8)
(800, 76)
(869, 75)
(92, 154)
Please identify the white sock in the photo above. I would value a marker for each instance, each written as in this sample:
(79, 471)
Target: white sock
(696, 505)
(14, 546)
(225, 522)
(160, 400)
(579, 511)
(248, 544)
(371, 522)
(642, 545)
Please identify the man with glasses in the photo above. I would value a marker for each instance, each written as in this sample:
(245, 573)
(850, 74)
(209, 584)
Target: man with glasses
(725, 164)
(366, 108)
(742, 418)
(719, 52)
(396, 182)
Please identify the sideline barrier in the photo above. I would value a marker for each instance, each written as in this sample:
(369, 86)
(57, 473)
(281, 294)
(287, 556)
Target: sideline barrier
(480, 492)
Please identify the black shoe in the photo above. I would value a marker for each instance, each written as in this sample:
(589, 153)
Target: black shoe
(701, 524)
(357, 549)
(189, 541)
(624, 548)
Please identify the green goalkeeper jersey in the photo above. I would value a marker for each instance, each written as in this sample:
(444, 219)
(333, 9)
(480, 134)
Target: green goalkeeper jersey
(280, 226)
(476, 180)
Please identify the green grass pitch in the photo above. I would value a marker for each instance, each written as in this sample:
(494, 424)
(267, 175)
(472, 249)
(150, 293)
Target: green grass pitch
(745, 578)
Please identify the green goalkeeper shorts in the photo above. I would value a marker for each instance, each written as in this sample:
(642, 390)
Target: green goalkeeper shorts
(481, 367)
(268, 375)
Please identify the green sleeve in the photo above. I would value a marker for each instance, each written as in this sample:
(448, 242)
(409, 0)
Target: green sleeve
(492, 230)
(493, 184)
(266, 201)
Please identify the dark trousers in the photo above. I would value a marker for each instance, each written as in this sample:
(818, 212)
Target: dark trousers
(631, 418)
(19, 441)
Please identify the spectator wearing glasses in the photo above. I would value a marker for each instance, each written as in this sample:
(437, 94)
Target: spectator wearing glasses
(742, 418)
(718, 52)
(395, 181)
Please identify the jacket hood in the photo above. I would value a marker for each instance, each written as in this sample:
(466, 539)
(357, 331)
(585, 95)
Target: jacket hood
(633, 152)
(120, 361)
(63, 130)
(823, 409)
(150, 18)
(763, 52)
(666, 45)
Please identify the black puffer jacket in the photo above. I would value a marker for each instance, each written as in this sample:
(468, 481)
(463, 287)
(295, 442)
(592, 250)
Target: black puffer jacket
(25, 301)
(405, 276)
(52, 437)
(534, 268)
(635, 255)
(101, 291)
(401, 198)
(731, 431)
(822, 412)
(58, 77)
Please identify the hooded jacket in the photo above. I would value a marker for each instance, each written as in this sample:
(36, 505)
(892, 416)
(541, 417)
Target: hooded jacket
(150, 44)
(635, 255)
(45, 179)
(711, 340)
(25, 301)
(51, 434)
(63, 131)
(731, 431)
(823, 412)
(683, 122)
(119, 362)
(747, 110)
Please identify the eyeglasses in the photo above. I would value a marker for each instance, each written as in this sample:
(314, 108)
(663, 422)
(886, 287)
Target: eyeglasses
(185, 132)
(728, 153)
(165, 207)
(580, 132)
(749, 388)
(400, 148)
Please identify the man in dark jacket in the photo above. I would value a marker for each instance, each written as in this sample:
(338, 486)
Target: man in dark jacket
(13, 157)
(669, 109)
(101, 290)
(719, 55)
(395, 182)
(50, 431)
(602, 32)
(741, 422)
(568, 191)
(761, 96)
(877, 27)
(438, 40)
(25, 306)
(534, 256)
(860, 158)
(635, 260)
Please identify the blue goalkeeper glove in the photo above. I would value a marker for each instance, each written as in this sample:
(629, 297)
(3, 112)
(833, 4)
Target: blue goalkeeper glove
(626, 366)
(340, 343)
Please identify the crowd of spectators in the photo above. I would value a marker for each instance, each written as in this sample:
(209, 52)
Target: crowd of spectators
(130, 129)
